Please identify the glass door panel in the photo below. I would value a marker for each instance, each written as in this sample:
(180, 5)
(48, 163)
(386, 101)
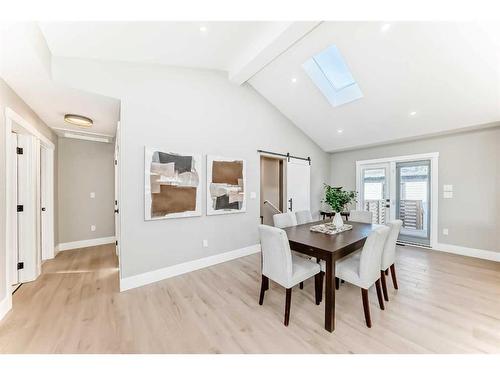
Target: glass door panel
(413, 201)
(374, 195)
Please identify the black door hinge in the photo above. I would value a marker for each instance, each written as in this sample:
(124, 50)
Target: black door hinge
(20, 208)
(116, 162)
(19, 150)
(116, 243)
(20, 265)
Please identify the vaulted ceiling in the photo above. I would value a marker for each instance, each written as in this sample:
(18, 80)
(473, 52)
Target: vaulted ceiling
(417, 78)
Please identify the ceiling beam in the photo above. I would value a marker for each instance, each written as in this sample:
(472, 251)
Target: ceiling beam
(276, 44)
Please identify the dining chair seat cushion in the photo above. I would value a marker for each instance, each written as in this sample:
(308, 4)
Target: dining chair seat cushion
(302, 269)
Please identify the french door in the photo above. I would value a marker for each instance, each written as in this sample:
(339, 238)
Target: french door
(399, 189)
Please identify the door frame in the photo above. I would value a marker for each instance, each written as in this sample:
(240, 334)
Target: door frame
(434, 191)
(12, 117)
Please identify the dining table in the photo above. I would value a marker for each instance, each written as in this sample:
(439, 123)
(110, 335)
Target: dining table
(330, 248)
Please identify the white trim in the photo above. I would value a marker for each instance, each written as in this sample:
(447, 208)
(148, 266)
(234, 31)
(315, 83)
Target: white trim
(5, 305)
(179, 269)
(467, 251)
(85, 243)
(434, 158)
(13, 116)
(429, 155)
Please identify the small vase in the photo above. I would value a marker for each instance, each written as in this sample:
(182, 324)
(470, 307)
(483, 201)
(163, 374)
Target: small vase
(337, 220)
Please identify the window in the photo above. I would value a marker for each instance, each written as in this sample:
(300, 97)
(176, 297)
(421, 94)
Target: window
(332, 76)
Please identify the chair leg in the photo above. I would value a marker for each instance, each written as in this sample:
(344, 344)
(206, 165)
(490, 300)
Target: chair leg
(287, 305)
(366, 307)
(387, 272)
(337, 283)
(301, 285)
(317, 288)
(263, 287)
(320, 286)
(379, 295)
(393, 274)
(384, 286)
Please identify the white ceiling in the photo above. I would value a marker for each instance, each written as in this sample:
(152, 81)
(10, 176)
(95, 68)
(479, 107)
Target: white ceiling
(219, 46)
(26, 66)
(448, 73)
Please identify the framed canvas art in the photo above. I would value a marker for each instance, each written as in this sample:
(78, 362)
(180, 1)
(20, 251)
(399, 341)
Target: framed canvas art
(172, 184)
(225, 185)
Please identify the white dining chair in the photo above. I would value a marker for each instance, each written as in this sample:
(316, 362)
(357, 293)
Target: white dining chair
(389, 256)
(303, 217)
(284, 220)
(283, 267)
(363, 268)
(361, 216)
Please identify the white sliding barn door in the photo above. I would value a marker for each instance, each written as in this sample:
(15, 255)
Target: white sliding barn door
(28, 167)
(298, 185)
(13, 246)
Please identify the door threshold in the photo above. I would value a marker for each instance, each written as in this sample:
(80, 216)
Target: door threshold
(401, 243)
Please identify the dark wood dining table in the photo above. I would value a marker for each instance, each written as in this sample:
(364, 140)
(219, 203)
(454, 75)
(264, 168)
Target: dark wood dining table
(329, 248)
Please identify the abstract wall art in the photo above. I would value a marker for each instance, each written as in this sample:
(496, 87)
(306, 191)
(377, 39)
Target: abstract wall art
(225, 185)
(172, 184)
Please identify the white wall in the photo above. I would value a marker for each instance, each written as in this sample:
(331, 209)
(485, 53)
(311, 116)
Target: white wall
(196, 111)
(85, 167)
(469, 161)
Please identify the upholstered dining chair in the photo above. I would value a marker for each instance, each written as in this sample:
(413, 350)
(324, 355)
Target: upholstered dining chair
(284, 220)
(361, 216)
(283, 267)
(363, 268)
(389, 256)
(303, 217)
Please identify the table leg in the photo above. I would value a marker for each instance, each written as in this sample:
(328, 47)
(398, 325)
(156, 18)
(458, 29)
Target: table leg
(330, 295)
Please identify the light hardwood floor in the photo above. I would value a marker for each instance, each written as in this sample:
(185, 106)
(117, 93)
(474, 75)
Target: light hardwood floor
(445, 304)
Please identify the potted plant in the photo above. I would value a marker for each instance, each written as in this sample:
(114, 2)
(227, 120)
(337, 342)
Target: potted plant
(338, 199)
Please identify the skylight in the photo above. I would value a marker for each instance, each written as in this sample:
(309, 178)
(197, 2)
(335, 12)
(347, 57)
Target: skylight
(332, 76)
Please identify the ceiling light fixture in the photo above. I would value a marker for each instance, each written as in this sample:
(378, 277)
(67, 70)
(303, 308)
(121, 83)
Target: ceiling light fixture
(340, 131)
(413, 113)
(294, 80)
(203, 29)
(385, 27)
(78, 120)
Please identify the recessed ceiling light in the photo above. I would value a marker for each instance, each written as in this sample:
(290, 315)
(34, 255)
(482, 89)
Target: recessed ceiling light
(294, 80)
(340, 131)
(203, 29)
(385, 27)
(413, 113)
(78, 120)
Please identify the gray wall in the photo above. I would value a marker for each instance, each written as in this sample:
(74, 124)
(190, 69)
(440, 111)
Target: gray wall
(188, 110)
(8, 98)
(85, 167)
(470, 162)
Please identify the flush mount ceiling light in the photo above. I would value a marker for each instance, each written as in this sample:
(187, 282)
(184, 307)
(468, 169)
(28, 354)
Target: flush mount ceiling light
(340, 131)
(78, 120)
(413, 113)
(294, 80)
(203, 29)
(385, 27)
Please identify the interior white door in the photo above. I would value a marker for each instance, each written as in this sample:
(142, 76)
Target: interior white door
(13, 246)
(117, 192)
(46, 199)
(298, 185)
(28, 199)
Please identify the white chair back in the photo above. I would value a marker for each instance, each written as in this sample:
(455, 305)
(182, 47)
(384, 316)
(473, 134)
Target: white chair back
(284, 220)
(389, 254)
(371, 255)
(361, 216)
(303, 217)
(276, 254)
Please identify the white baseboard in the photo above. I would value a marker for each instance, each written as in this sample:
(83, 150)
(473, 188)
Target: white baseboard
(84, 243)
(178, 269)
(5, 306)
(467, 251)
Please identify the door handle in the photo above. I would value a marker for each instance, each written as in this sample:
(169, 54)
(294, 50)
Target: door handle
(43, 208)
(291, 204)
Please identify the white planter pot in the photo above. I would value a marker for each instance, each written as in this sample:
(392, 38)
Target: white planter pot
(337, 220)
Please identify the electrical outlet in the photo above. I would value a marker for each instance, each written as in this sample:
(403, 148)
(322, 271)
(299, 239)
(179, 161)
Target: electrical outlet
(205, 243)
(92, 194)
(92, 228)
(445, 231)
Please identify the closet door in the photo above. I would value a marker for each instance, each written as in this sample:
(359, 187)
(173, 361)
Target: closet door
(298, 185)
